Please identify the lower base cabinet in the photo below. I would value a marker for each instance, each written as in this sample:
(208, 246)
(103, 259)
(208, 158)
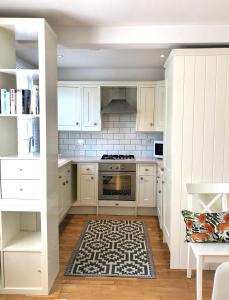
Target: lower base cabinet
(22, 269)
(64, 190)
(146, 178)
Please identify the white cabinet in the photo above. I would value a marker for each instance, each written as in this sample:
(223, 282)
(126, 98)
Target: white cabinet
(159, 191)
(91, 108)
(69, 108)
(79, 108)
(87, 185)
(146, 180)
(20, 169)
(151, 107)
(64, 190)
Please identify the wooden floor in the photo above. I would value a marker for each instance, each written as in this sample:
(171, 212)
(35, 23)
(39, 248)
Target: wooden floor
(169, 284)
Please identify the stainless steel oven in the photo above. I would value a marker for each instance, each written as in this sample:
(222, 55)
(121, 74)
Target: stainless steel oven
(117, 181)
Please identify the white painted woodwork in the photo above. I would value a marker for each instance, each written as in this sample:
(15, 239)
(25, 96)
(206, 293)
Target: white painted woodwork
(21, 189)
(20, 169)
(196, 134)
(145, 108)
(37, 231)
(91, 108)
(88, 169)
(64, 190)
(69, 108)
(87, 185)
(7, 52)
(146, 185)
(159, 195)
(28, 266)
(159, 113)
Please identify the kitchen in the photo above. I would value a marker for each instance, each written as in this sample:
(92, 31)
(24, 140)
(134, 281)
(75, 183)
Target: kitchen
(110, 162)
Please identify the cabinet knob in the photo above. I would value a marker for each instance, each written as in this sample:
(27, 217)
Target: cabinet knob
(162, 169)
(92, 178)
(20, 169)
(146, 170)
(157, 181)
(77, 123)
(95, 124)
(141, 178)
(117, 204)
(163, 182)
(68, 171)
(39, 271)
(66, 181)
(151, 124)
(159, 191)
(63, 183)
(60, 176)
(88, 169)
(20, 190)
(158, 177)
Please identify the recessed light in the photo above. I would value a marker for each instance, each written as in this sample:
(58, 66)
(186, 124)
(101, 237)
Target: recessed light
(60, 56)
(162, 55)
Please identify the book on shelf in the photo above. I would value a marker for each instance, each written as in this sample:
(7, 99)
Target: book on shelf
(20, 101)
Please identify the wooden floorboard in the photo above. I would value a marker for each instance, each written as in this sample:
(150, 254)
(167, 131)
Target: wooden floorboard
(169, 284)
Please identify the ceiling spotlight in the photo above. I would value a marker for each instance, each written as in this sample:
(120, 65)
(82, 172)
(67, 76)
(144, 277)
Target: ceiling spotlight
(60, 56)
(162, 55)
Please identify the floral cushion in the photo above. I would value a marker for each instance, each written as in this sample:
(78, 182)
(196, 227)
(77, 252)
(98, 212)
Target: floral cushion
(206, 227)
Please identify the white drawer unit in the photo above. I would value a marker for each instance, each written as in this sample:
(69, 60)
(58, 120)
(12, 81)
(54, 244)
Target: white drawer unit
(22, 269)
(21, 189)
(20, 169)
(86, 169)
(147, 170)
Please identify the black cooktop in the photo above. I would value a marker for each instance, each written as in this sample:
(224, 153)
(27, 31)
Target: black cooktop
(117, 157)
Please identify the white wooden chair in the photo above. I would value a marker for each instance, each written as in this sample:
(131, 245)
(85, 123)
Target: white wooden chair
(221, 286)
(206, 252)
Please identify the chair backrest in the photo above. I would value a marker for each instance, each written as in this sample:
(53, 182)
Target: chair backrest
(220, 191)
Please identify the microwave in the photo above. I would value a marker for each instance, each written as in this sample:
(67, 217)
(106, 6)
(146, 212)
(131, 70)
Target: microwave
(158, 149)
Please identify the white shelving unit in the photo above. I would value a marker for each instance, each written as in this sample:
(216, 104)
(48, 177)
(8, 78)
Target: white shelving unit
(29, 240)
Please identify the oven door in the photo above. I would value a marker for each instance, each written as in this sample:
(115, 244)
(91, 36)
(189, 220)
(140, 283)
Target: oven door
(117, 186)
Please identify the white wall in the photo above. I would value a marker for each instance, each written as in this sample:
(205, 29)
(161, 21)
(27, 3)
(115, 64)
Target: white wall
(88, 74)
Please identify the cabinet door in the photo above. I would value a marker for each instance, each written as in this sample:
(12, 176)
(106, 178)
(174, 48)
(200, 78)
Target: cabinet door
(91, 109)
(69, 108)
(159, 115)
(68, 196)
(159, 198)
(145, 109)
(87, 190)
(61, 192)
(146, 191)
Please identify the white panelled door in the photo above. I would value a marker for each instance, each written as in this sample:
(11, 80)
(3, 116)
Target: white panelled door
(159, 115)
(87, 190)
(91, 108)
(69, 108)
(146, 107)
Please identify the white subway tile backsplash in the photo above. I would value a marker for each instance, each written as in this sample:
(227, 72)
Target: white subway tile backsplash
(118, 136)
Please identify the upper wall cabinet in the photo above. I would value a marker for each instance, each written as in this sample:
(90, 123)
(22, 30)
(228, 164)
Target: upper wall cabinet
(150, 107)
(69, 108)
(79, 108)
(91, 108)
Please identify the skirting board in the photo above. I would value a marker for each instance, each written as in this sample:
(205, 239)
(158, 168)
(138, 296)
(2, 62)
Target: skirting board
(141, 211)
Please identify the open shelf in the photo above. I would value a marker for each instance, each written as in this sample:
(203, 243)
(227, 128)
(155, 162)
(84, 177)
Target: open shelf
(25, 241)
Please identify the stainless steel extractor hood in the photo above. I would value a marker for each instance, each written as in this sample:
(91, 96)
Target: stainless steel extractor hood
(118, 103)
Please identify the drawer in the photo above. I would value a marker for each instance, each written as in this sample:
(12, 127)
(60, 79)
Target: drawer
(88, 169)
(22, 269)
(20, 169)
(21, 189)
(147, 170)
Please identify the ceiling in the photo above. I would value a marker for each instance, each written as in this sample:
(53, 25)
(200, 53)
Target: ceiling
(120, 12)
(80, 19)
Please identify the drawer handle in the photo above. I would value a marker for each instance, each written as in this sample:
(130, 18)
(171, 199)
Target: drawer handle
(63, 183)
(66, 181)
(142, 178)
(146, 170)
(60, 176)
(162, 169)
(20, 169)
(39, 271)
(95, 124)
(151, 124)
(88, 169)
(159, 191)
(163, 182)
(21, 190)
(92, 178)
(158, 177)
(77, 123)
(117, 204)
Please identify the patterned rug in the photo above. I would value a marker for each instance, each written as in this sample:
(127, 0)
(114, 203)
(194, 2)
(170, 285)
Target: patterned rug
(112, 248)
